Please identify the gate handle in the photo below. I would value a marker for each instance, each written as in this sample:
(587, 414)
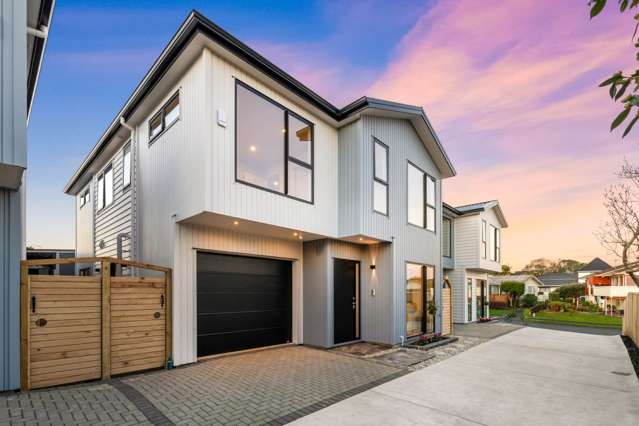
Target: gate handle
(161, 300)
(33, 304)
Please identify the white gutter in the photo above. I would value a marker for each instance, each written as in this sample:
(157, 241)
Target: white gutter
(42, 32)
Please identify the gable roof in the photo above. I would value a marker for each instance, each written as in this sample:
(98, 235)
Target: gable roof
(498, 279)
(474, 208)
(196, 24)
(595, 265)
(558, 278)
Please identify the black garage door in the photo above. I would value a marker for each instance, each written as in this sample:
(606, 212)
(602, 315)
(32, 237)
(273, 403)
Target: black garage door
(242, 303)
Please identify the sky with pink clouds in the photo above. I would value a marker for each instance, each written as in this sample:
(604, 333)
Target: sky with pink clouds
(510, 87)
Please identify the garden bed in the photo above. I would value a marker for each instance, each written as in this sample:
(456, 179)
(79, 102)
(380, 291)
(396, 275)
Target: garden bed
(633, 352)
(427, 342)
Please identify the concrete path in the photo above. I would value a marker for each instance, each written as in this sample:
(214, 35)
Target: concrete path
(530, 376)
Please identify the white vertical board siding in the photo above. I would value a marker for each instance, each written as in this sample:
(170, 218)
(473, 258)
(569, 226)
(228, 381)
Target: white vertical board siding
(115, 218)
(172, 170)
(411, 244)
(11, 251)
(467, 242)
(84, 242)
(491, 219)
(191, 238)
(350, 179)
(378, 311)
(13, 84)
(225, 196)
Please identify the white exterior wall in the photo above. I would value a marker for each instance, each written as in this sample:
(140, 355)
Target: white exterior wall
(491, 219)
(191, 238)
(467, 242)
(84, 242)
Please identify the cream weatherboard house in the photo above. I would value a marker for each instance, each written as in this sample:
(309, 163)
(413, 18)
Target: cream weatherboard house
(284, 218)
(471, 251)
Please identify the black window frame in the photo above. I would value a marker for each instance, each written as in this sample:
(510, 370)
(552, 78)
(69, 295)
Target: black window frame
(162, 113)
(287, 158)
(484, 237)
(495, 251)
(102, 176)
(425, 177)
(380, 180)
(126, 148)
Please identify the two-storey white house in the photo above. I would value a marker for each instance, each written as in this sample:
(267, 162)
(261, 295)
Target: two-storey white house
(471, 251)
(284, 218)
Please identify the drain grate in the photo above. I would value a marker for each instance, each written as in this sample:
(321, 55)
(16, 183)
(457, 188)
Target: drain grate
(149, 410)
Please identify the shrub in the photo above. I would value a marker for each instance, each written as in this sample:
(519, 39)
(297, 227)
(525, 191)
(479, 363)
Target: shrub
(539, 306)
(559, 307)
(528, 300)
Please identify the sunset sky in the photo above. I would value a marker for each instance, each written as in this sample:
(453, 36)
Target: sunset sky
(509, 85)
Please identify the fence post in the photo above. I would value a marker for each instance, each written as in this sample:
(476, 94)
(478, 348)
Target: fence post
(24, 326)
(105, 269)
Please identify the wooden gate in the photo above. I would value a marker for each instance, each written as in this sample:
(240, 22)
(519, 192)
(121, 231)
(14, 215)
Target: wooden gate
(77, 328)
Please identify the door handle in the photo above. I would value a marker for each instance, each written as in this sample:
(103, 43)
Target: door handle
(33, 304)
(162, 301)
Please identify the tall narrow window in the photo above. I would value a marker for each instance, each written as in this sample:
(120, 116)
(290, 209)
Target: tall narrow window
(108, 186)
(414, 300)
(430, 203)
(495, 244)
(100, 192)
(274, 146)
(415, 193)
(483, 239)
(126, 166)
(430, 298)
(447, 241)
(469, 298)
(380, 177)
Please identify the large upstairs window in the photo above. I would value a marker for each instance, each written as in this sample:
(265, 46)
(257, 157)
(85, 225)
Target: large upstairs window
(274, 146)
(380, 177)
(421, 198)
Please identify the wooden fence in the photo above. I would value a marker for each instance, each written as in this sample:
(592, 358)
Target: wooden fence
(77, 328)
(498, 301)
(631, 318)
(447, 311)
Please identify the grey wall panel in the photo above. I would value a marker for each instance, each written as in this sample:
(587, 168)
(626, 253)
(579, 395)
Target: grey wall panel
(13, 84)
(316, 293)
(350, 179)
(11, 248)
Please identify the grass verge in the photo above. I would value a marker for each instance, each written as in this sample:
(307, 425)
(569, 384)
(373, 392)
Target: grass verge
(574, 318)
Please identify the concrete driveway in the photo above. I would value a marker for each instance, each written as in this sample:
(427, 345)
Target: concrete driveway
(531, 376)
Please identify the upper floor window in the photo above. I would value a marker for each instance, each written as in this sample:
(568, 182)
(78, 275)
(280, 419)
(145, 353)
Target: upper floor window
(273, 145)
(483, 240)
(421, 196)
(126, 166)
(380, 177)
(105, 188)
(85, 197)
(495, 244)
(447, 250)
(165, 117)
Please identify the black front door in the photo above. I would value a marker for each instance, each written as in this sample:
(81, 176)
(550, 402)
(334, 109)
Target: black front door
(345, 301)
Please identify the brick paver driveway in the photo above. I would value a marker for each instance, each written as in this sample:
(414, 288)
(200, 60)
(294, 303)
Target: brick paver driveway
(270, 386)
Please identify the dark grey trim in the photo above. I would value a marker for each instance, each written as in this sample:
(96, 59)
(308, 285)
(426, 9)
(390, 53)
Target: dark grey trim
(44, 18)
(195, 24)
(287, 157)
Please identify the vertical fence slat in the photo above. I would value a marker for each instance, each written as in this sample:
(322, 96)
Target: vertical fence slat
(105, 269)
(630, 326)
(168, 295)
(24, 326)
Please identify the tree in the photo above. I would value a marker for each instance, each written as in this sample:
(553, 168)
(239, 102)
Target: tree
(544, 266)
(513, 289)
(506, 270)
(620, 233)
(621, 83)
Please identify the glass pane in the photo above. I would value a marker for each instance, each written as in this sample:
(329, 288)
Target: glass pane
(126, 165)
(480, 296)
(172, 111)
(381, 171)
(379, 197)
(299, 181)
(260, 141)
(430, 297)
(430, 219)
(299, 139)
(415, 196)
(446, 237)
(100, 192)
(414, 300)
(492, 242)
(430, 191)
(108, 187)
(469, 298)
(155, 126)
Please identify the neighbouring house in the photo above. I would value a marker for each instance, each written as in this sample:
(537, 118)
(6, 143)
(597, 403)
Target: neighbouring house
(594, 266)
(23, 37)
(39, 254)
(532, 285)
(471, 251)
(610, 288)
(284, 218)
(552, 281)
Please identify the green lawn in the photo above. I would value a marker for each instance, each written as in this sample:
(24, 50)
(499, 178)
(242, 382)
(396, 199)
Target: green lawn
(499, 312)
(574, 318)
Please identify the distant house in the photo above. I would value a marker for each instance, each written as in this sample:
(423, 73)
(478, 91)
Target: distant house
(39, 254)
(594, 266)
(554, 280)
(532, 284)
(610, 288)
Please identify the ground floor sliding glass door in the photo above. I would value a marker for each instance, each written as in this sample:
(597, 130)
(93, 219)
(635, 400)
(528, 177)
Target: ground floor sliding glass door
(420, 299)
